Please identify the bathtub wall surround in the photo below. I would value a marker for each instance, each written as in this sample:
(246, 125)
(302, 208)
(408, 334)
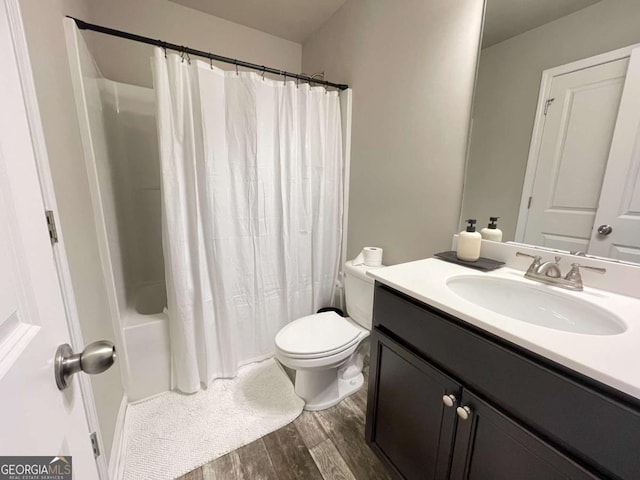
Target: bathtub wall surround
(121, 154)
(130, 121)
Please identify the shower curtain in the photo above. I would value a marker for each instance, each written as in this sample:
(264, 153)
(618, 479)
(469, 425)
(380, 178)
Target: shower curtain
(252, 196)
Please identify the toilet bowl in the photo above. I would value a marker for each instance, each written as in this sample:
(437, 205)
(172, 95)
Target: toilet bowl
(327, 350)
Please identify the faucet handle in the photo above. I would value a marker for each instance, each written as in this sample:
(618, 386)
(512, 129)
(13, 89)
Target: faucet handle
(576, 266)
(534, 265)
(574, 274)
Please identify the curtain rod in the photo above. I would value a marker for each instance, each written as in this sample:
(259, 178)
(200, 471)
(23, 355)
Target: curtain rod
(82, 25)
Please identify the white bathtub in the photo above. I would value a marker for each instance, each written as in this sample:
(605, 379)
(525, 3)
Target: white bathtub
(146, 336)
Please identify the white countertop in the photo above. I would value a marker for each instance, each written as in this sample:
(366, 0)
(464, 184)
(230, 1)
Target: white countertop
(611, 359)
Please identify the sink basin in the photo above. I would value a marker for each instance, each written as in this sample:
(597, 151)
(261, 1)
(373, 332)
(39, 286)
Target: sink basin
(536, 305)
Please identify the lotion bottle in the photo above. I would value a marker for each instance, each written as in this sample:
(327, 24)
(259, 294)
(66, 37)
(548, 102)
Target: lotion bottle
(491, 231)
(469, 243)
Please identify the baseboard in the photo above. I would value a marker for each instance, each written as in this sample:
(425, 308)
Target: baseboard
(118, 447)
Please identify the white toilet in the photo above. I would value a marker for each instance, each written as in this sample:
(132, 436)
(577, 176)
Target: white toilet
(327, 350)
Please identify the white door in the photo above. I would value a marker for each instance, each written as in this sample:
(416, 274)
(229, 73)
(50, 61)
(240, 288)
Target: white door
(574, 149)
(35, 417)
(618, 216)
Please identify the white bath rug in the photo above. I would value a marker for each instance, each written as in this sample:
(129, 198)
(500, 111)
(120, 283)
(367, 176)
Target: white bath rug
(172, 434)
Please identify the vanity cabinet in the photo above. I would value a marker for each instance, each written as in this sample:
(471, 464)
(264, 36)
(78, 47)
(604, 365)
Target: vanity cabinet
(411, 428)
(448, 401)
(490, 445)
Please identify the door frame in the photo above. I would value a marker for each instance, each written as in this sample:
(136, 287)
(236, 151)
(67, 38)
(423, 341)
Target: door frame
(538, 126)
(14, 16)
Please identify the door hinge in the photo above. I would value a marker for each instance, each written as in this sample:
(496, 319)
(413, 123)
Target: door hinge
(51, 226)
(94, 444)
(548, 104)
(529, 203)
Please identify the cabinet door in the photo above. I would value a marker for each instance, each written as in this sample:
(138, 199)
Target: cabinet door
(491, 446)
(408, 424)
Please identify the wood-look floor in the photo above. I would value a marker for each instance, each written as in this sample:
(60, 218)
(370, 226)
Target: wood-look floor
(317, 445)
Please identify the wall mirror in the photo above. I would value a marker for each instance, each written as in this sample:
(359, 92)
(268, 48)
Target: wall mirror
(554, 147)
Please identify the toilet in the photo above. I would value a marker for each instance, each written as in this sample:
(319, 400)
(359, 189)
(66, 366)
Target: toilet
(327, 350)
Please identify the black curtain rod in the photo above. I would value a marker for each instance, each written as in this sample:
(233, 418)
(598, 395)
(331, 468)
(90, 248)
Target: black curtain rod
(82, 25)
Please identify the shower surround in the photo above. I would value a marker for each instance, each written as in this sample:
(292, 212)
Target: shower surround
(129, 113)
(119, 136)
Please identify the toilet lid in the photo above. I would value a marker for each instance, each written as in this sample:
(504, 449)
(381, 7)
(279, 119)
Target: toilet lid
(316, 334)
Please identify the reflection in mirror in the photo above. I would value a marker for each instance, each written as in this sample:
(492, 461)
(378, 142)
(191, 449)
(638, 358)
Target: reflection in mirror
(555, 141)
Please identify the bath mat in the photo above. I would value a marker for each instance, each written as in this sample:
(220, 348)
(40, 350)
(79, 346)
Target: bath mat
(172, 434)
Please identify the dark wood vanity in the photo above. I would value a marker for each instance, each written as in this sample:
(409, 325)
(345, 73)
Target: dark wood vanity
(450, 401)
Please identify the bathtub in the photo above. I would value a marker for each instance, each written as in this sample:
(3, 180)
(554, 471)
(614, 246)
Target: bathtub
(146, 337)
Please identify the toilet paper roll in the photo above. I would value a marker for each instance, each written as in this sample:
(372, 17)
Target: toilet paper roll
(370, 256)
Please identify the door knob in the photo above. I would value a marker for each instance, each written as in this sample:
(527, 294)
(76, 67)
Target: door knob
(605, 229)
(463, 412)
(95, 358)
(449, 400)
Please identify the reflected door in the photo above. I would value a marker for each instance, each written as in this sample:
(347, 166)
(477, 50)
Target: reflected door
(579, 124)
(616, 232)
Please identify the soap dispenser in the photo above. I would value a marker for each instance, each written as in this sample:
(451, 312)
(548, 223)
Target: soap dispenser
(469, 243)
(491, 231)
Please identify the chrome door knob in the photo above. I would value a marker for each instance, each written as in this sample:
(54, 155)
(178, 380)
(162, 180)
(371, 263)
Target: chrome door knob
(463, 412)
(449, 400)
(95, 358)
(605, 229)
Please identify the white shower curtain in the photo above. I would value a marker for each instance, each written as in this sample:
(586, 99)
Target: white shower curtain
(252, 196)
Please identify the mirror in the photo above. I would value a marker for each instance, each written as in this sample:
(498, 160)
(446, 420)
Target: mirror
(554, 148)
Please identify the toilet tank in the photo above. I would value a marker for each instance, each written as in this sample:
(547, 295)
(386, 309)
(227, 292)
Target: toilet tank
(358, 291)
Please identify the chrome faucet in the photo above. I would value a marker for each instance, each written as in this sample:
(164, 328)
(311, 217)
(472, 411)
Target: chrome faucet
(551, 269)
(550, 273)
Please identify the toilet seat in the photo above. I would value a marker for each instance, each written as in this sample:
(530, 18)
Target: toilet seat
(327, 351)
(319, 335)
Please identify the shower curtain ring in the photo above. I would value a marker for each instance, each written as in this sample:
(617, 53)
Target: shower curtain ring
(263, 70)
(184, 54)
(297, 82)
(237, 73)
(211, 63)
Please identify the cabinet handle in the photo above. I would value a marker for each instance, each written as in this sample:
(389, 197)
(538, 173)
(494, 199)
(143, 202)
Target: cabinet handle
(464, 412)
(449, 400)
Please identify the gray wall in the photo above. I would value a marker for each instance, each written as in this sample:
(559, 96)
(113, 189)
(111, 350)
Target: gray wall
(128, 62)
(507, 94)
(411, 65)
